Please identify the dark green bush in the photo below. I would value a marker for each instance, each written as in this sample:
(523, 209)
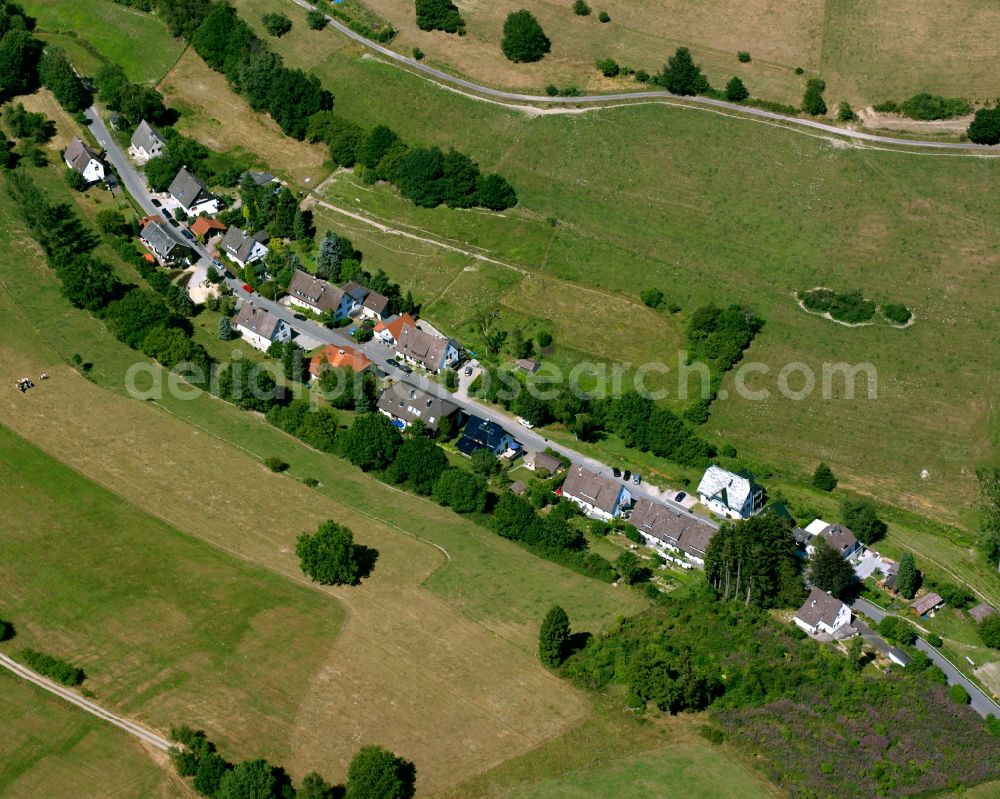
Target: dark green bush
(439, 15)
(604, 16)
(933, 106)
(524, 41)
(54, 668)
(581, 9)
(276, 24)
(609, 67)
(896, 313)
(743, 57)
(275, 464)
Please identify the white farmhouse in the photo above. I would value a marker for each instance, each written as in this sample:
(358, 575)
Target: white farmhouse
(243, 248)
(731, 494)
(147, 142)
(85, 160)
(192, 194)
(822, 613)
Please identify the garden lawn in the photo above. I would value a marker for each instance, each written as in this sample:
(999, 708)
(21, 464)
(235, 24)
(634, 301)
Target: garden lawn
(50, 748)
(137, 41)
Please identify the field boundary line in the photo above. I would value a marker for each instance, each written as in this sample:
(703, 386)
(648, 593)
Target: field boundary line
(131, 727)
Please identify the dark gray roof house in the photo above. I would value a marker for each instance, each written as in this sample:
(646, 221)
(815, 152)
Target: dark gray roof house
(260, 178)
(376, 304)
(188, 189)
(595, 492)
(314, 292)
(257, 320)
(147, 141)
(157, 237)
(482, 434)
(409, 403)
(81, 158)
(675, 529)
(243, 247)
(432, 352)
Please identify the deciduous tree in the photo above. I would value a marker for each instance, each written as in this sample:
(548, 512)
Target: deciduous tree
(377, 773)
(328, 555)
(523, 38)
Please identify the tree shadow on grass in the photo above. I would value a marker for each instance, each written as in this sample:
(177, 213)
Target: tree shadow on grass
(577, 641)
(365, 558)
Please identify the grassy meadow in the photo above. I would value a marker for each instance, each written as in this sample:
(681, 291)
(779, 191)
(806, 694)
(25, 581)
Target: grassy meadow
(137, 41)
(866, 51)
(53, 749)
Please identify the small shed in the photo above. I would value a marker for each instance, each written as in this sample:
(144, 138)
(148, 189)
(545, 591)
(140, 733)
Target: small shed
(528, 365)
(981, 611)
(928, 603)
(517, 487)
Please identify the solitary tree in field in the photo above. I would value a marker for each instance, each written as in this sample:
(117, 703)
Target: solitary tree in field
(327, 556)
(828, 571)
(681, 75)
(524, 40)
(908, 578)
(736, 91)
(823, 478)
(553, 638)
(276, 24)
(376, 773)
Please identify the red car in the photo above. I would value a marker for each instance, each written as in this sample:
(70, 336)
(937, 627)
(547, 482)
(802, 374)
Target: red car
(247, 288)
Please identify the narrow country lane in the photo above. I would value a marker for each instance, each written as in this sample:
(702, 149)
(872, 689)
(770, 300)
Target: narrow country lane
(94, 709)
(514, 98)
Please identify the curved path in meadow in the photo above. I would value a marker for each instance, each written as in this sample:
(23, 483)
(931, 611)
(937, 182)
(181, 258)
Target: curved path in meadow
(514, 98)
(94, 709)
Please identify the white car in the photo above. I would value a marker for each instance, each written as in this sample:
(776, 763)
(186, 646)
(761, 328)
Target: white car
(524, 422)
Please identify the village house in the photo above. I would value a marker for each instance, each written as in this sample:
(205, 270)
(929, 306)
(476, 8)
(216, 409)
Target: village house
(432, 352)
(147, 142)
(259, 328)
(732, 494)
(85, 160)
(318, 296)
(192, 195)
(596, 494)
(204, 227)
(339, 358)
(822, 613)
(389, 330)
(668, 527)
(482, 434)
(243, 248)
(840, 539)
(405, 404)
(370, 304)
(926, 605)
(542, 461)
(157, 238)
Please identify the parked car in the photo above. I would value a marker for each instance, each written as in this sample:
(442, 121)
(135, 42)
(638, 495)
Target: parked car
(248, 288)
(524, 422)
(468, 371)
(392, 362)
(300, 317)
(680, 496)
(636, 478)
(167, 214)
(230, 275)
(218, 264)
(405, 369)
(174, 222)
(626, 475)
(156, 203)
(187, 234)
(616, 471)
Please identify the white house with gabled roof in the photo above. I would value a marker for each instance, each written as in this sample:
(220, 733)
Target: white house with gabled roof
(734, 495)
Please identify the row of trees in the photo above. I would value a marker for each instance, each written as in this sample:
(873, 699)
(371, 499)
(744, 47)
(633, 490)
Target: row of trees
(137, 317)
(427, 176)
(228, 45)
(373, 773)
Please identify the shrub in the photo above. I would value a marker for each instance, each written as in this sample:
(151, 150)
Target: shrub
(897, 630)
(524, 41)
(552, 90)
(6, 630)
(935, 640)
(799, 71)
(989, 631)
(544, 339)
(743, 57)
(933, 106)
(275, 464)
(418, 54)
(276, 24)
(958, 694)
(310, 482)
(651, 298)
(888, 107)
(812, 101)
(441, 15)
(604, 16)
(75, 180)
(736, 91)
(642, 76)
(845, 113)
(609, 67)
(985, 126)
(54, 668)
(581, 9)
(896, 313)
(316, 20)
